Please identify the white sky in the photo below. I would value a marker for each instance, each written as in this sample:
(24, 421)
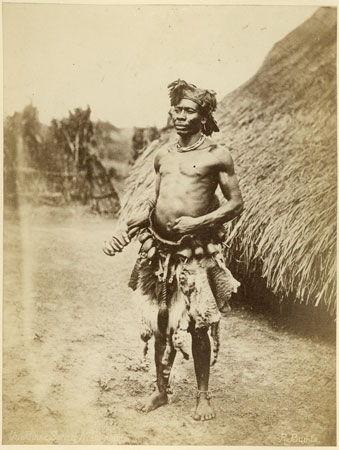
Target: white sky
(120, 59)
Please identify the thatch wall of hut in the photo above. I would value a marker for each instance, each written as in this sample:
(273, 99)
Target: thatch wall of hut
(281, 129)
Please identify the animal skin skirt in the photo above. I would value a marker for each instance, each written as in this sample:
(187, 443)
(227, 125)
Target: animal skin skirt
(193, 290)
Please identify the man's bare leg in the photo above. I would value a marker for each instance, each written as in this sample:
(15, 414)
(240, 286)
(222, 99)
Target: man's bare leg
(159, 396)
(201, 350)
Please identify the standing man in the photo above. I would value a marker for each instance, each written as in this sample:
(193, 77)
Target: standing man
(180, 278)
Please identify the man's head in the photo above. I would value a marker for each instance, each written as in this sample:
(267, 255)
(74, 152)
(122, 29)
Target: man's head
(192, 108)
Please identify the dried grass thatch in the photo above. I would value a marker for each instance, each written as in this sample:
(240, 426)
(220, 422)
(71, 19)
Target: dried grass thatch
(281, 127)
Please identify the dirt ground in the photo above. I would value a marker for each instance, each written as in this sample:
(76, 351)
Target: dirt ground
(72, 359)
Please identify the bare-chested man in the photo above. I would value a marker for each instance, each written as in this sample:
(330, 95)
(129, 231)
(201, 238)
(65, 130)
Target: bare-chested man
(180, 274)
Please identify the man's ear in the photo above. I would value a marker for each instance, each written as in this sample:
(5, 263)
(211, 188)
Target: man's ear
(203, 117)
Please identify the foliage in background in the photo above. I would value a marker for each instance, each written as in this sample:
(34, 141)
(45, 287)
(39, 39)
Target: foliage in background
(73, 135)
(23, 148)
(55, 163)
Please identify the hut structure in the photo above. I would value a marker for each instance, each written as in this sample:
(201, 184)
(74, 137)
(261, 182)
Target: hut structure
(281, 129)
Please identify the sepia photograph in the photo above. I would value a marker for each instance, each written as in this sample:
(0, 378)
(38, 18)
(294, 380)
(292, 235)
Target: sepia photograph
(169, 224)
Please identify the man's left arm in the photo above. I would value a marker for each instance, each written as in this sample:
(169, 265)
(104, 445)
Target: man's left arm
(229, 185)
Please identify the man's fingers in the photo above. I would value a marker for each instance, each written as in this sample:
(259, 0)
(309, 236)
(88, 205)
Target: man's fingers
(116, 244)
(132, 231)
(107, 250)
(122, 237)
(126, 237)
(118, 240)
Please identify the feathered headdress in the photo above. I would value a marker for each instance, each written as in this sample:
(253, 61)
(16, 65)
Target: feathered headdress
(180, 89)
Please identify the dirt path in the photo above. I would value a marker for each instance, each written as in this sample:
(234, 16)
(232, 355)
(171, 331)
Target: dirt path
(72, 356)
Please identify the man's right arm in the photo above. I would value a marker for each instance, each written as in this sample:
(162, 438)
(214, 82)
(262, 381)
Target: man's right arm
(126, 231)
(141, 219)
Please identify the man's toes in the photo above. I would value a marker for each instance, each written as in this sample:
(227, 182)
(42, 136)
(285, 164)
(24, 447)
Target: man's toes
(197, 416)
(140, 407)
(207, 417)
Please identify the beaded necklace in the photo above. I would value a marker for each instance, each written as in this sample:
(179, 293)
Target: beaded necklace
(191, 147)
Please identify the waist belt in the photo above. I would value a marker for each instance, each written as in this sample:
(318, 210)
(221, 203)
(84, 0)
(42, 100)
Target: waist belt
(203, 243)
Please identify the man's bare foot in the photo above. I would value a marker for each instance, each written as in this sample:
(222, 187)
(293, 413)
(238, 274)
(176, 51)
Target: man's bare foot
(154, 401)
(203, 410)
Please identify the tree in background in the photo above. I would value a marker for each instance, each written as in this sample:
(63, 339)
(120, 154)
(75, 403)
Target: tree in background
(12, 128)
(56, 163)
(73, 136)
(32, 137)
(24, 126)
(142, 137)
(23, 148)
(77, 137)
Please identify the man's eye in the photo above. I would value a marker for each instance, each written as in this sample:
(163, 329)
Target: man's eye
(186, 110)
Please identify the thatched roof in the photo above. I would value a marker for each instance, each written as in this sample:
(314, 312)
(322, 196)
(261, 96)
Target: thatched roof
(281, 128)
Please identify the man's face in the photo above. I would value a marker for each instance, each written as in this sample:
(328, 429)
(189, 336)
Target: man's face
(186, 117)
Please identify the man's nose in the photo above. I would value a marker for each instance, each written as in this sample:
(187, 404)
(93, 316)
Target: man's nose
(182, 114)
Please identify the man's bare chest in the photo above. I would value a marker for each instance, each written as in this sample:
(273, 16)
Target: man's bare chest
(197, 164)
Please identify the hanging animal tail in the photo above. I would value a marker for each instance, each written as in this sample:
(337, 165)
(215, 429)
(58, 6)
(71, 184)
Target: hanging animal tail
(145, 350)
(146, 336)
(215, 334)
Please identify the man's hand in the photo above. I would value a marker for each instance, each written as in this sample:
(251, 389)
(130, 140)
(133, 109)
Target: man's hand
(118, 241)
(185, 224)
